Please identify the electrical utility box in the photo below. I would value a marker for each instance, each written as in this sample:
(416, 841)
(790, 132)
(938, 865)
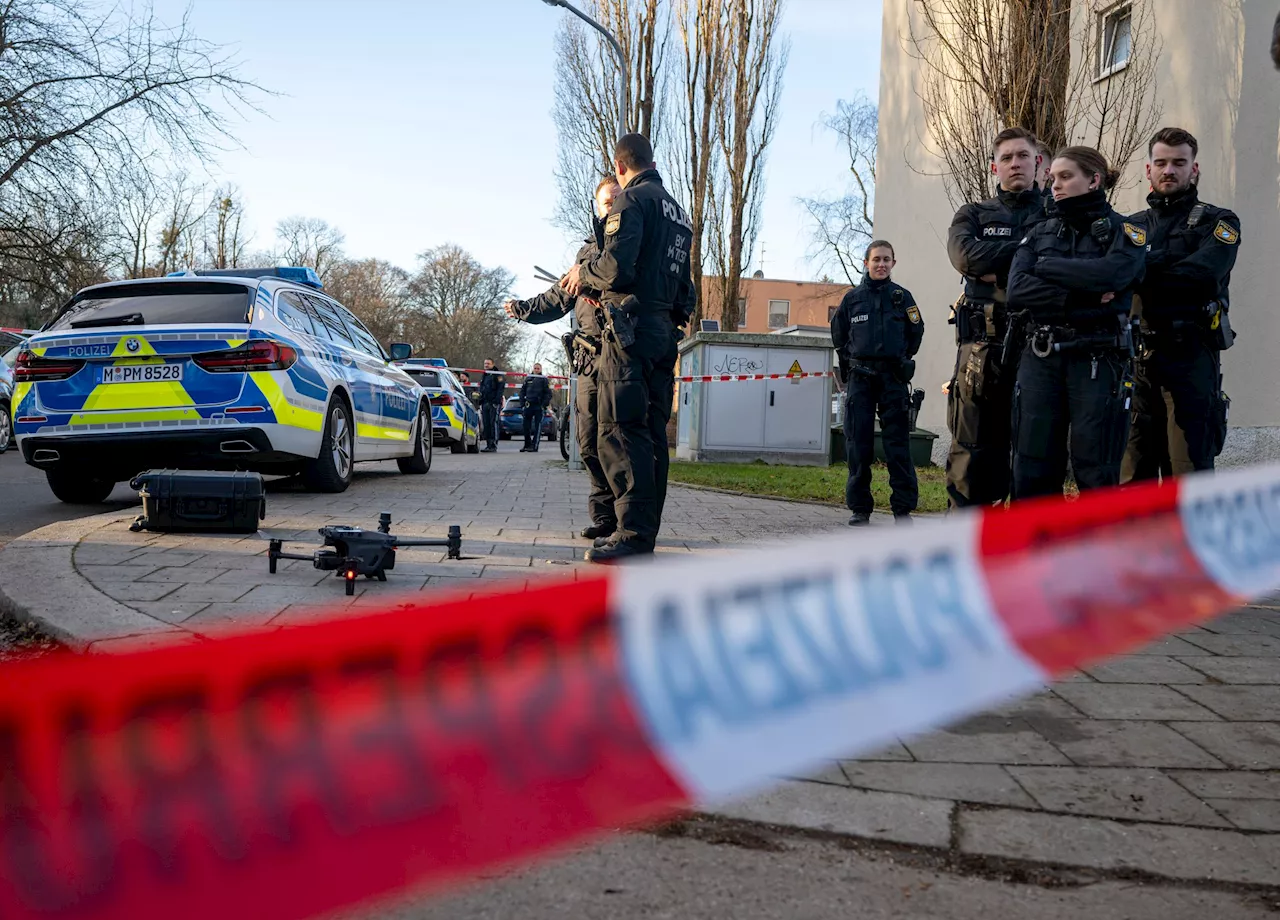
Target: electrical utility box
(737, 421)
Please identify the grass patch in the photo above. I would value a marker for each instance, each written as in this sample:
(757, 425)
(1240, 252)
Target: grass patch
(810, 483)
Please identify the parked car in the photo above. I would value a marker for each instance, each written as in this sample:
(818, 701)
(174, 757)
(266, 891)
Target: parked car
(251, 369)
(455, 420)
(10, 344)
(511, 421)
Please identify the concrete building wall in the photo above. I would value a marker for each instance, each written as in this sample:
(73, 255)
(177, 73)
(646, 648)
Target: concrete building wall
(1214, 78)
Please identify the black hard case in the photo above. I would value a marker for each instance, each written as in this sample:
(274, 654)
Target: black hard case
(199, 500)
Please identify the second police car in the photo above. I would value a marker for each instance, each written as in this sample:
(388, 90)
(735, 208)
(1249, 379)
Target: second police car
(232, 369)
(454, 417)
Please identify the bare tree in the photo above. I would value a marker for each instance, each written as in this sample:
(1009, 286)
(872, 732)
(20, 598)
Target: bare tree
(375, 291)
(310, 241)
(138, 201)
(86, 89)
(703, 36)
(185, 207)
(454, 308)
(991, 64)
(586, 110)
(842, 225)
(224, 245)
(756, 58)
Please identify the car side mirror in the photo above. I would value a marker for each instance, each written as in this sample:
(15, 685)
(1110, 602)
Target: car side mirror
(400, 351)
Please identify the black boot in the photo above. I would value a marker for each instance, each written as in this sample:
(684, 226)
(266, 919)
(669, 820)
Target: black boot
(859, 519)
(597, 530)
(615, 552)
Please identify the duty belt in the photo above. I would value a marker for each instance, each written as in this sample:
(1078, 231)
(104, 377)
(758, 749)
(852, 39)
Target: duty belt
(979, 321)
(1046, 340)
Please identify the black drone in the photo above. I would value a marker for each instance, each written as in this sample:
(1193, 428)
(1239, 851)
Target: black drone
(351, 551)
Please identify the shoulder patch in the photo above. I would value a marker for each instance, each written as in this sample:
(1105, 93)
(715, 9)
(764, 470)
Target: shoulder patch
(612, 224)
(1226, 233)
(913, 313)
(1137, 235)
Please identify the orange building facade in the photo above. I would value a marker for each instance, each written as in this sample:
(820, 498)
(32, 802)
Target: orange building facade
(768, 304)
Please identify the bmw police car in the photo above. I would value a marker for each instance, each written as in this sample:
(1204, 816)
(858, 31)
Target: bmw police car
(230, 369)
(454, 418)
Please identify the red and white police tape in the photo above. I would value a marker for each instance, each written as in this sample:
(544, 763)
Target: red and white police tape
(726, 378)
(289, 773)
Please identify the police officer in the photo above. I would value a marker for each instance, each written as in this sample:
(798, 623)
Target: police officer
(642, 272)
(535, 396)
(551, 306)
(1074, 274)
(981, 243)
(492, 386)
(876, 331)
(1181, 413)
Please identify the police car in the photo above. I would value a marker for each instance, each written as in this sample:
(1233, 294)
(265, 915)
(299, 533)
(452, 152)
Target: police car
(454, 418)
(231, 369)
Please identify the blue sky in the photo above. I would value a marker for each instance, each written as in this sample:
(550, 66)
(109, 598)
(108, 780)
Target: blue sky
(410, 124)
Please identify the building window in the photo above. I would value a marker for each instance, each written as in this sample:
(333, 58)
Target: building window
(1115, 40)
(831, 312)
(779, 313)
(742, 313)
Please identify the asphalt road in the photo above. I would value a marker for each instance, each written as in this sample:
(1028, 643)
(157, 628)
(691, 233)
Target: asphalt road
(26, 502)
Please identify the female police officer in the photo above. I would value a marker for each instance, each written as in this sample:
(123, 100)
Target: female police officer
(1073, 277)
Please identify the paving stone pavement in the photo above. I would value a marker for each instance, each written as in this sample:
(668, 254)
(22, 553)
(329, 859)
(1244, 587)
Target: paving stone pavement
(1166, 762)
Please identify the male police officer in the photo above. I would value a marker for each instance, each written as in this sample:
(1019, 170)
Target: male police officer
(551, 306)
(491, 389)
(642, 273)
(1181, 411)
(876, 331)
(535, 396)
(981, 243)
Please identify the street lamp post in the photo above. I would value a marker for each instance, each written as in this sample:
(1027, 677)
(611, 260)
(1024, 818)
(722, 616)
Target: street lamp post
(575, 456)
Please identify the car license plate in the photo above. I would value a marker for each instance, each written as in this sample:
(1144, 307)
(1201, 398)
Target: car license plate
(142, 373)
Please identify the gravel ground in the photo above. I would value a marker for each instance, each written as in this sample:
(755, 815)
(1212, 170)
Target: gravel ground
(23, 640)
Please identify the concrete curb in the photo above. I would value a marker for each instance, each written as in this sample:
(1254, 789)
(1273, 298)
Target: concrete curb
(39, 584)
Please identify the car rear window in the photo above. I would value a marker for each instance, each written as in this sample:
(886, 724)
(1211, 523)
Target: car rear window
(424, 378)
(158, 305)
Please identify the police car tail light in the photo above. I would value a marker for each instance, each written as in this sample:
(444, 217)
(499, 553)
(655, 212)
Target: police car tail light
(444, 399)
(30, 369)
(259, 355)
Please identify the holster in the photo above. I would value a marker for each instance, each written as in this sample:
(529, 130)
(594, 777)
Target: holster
(617, 321)
(905, 370)
(1221, 335)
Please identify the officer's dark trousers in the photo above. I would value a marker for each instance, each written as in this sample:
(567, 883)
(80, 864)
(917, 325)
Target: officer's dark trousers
(1179, 422)
(533, 427)
(866, 395)
(979, 412)
(1060, 408)
(600, 499)
(631, 384)
(489, 423)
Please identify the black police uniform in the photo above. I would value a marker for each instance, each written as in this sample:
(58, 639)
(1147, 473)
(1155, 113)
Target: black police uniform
(876, 331)
(548, 307)
(1076, 372)
(982, 241)
(492, 387)
(647, 242)
(535, 396)
(1180, 417)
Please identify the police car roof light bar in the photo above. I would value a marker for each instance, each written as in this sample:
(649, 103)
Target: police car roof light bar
(298, 274)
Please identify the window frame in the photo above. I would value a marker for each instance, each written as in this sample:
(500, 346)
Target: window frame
(323, 304)
(1115, 14)
(769, 323)
(302, 307)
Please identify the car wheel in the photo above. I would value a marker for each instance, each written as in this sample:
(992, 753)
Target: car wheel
(420, 462)
(76, 487)
(459, 446)
(474, 448)
(6, 427)
(331, 471)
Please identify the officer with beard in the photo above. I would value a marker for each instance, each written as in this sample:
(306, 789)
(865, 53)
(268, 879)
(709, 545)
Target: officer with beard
(550, 306)
(981, 243)
(1180, 410)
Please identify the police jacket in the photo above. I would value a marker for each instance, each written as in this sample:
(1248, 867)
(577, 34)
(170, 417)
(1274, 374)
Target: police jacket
(877, 319)
(647, 242)
(1066, 263)
(1192, 248)
(555, 301)
(535, 392)
(984, 236)
(491, 387)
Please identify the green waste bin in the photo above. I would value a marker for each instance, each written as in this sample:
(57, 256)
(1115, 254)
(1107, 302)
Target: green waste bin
(921, 446)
